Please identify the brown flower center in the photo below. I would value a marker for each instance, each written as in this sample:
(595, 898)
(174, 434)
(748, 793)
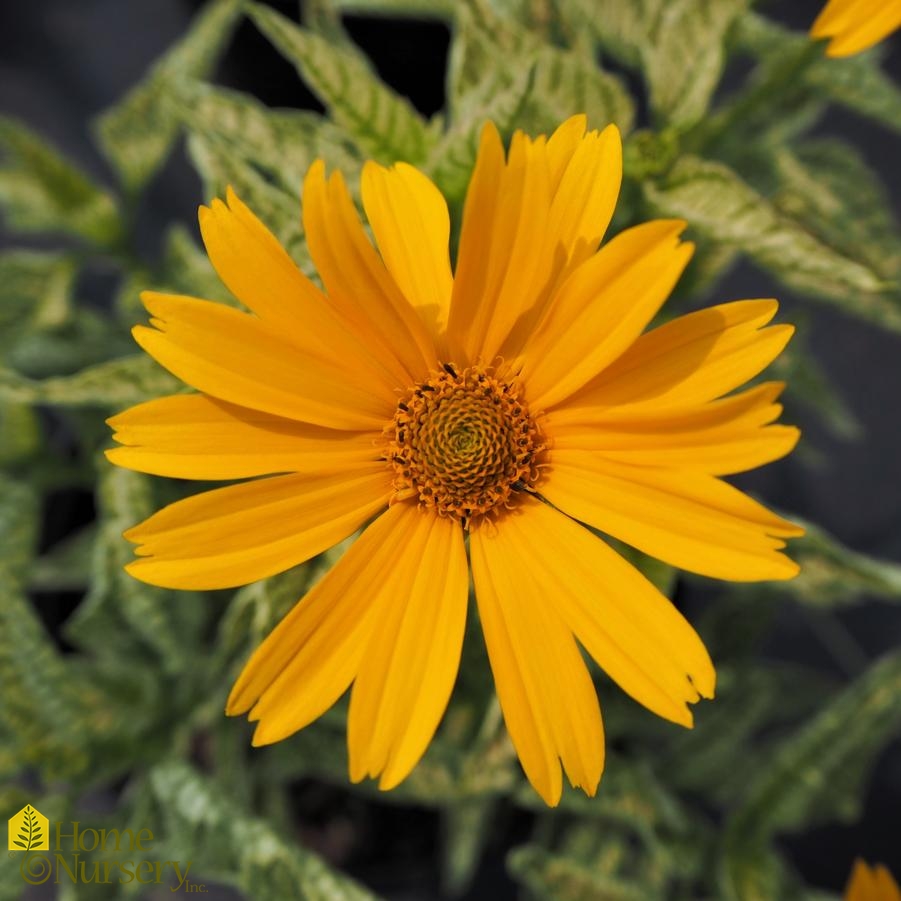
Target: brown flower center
(464, 443)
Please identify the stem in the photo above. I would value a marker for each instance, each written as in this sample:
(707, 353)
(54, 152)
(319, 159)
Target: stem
(784, 76)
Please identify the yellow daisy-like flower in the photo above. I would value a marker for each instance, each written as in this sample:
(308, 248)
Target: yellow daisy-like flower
(855, 25)
(511, 401)
(871, 884)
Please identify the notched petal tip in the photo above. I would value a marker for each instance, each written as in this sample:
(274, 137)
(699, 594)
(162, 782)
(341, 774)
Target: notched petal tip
(218, 209)
(612, 132)
(234, 202)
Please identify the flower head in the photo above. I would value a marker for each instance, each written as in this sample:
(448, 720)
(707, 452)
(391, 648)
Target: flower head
(871, 884)
(855, 25)
(511, 403)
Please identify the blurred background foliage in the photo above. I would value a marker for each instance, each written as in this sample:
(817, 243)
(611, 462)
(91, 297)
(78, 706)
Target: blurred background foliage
(115, 718)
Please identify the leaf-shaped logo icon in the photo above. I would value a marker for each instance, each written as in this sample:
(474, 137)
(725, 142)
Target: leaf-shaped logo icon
(28, 830)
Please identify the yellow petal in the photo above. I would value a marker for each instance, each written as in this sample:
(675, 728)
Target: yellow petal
(855, 25)
(526, 223)
(562, 145)
(602, 308)
(689, 519)
(314, 653)
(586, 191)
(357, 282)
(238, 534)
(477, 255)
(259, 272)
(521, 264)
(886, 887)
(411, 225)
(633, 632)
(871, 884)
(720, 437)
(690, 360)
(860, 883)
(549, 702)
(192, 436)
(753, 407)
(254, 266)
(412, 656)
(238, 358)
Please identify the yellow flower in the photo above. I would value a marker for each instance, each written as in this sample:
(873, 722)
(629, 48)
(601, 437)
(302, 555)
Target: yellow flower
(507, 402)
(855, 25)
(871, 884)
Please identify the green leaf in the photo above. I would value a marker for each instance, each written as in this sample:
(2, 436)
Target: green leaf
(826, 186)
(678, 45)
(112, 385)
(557, 878)
(500, 101)
(41, 707)
(35, 291)
(65, 566)
(382, 124)
(728, 211)
(750, 698)
(40, 191)
(279, 144)
(225, 843)
(160, 621)
(20, 433)
(502, 73)
(685, 56)
(489, 54)
(832, 574)
(856, 82)
(466, 832)
(278, 209)
(84, 339)
(138, 133)
(815, 774)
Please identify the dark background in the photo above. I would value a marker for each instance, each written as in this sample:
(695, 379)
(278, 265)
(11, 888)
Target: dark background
(61, 63)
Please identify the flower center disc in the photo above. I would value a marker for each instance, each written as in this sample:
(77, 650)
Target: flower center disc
(464, 443)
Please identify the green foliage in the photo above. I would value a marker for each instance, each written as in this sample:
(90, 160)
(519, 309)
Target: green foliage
(814, 774)
(856, 82)
(40, 191)
(232, 847)
(42, 713)
(679, 47)
(832, 574)
(726, 210)
(128, 693)
(138, 133)
(502, 72)
(383, 125)
(111, 385)
(279, 144)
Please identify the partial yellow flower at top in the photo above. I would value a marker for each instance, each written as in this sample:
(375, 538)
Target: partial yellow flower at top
(871, 884)
(508, 402)
(856, 25)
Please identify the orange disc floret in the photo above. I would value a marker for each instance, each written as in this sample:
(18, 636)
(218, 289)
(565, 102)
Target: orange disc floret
(465, 443)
